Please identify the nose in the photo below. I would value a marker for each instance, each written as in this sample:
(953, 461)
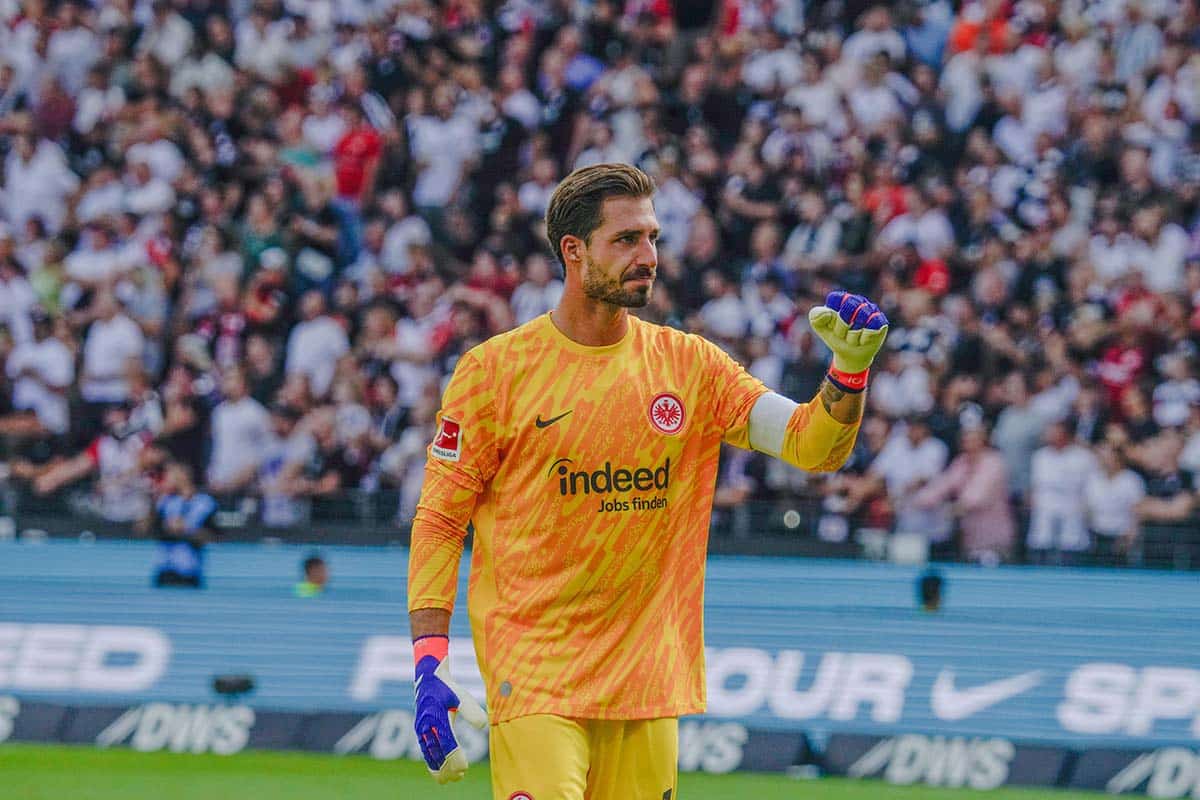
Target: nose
(647, 253)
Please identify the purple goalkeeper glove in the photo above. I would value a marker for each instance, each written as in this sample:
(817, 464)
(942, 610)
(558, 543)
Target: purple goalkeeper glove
(438, 700)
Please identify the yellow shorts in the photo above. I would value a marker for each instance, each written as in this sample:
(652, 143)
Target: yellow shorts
(544, 757)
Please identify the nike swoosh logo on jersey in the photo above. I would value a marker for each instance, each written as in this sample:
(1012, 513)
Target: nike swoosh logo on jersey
(546, 423)
(953, 704)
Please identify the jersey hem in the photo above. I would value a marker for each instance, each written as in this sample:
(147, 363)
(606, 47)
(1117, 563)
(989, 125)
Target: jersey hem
(629, 715)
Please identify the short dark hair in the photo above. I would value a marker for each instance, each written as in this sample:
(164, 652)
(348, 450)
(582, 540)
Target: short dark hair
(312, 561)
(576, 207)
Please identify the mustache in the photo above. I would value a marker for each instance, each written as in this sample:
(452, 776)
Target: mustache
(639, 273)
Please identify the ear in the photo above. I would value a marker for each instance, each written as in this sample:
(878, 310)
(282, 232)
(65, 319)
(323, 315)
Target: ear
(573, 249)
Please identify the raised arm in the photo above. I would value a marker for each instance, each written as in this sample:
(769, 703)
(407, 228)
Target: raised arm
(819, 435)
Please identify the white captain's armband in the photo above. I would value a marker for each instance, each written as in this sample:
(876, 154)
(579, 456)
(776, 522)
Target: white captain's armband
(769, 423)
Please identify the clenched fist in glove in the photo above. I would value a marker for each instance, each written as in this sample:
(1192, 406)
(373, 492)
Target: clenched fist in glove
(854, 329)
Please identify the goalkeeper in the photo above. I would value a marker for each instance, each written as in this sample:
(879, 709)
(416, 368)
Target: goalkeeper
(583, 446)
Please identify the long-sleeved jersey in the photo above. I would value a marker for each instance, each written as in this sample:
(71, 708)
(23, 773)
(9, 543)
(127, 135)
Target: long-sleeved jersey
(588, 474)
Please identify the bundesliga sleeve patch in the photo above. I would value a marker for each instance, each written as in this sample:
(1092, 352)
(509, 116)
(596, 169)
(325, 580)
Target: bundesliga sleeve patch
(447, 445)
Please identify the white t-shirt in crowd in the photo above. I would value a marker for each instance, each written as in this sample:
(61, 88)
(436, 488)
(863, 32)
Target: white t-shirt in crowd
(524, 107)
(412, 230)
(155, 196)
(931, 232)
(413, 335)
(95, 266)
(444, 146)
(725, 317)
(101, 201)
(819, 104)
(873, 106)
(279, 508)
(1161, 261)
(1110, 259)
(162, 156)
(898, 394)
(530, 301)
(106, 354)
(534, 198)
(241, 430)
(314, 349)
(1058, 482)
(17, 300)
(675, 206)
(54, 367)
(903, 465)
(1173, 401)
(122, 492)
(1111, 501)
(38, 187)
(862, 45)
(323, 132)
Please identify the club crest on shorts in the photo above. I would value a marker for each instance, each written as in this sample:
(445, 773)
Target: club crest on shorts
(666, 413)
(447, 444)
(520, 796)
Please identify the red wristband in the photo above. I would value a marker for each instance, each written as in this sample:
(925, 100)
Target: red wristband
(853, 382)
(432, 645)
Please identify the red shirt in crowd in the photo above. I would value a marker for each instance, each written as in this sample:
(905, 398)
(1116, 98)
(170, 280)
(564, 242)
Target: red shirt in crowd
(1119, 368)
(351, 157)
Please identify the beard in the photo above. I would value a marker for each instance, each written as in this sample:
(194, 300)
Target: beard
(599, 286)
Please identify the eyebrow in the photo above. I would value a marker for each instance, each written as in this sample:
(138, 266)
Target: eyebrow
(627, 231)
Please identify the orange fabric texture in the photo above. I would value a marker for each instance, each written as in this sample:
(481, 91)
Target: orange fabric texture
(588, 474)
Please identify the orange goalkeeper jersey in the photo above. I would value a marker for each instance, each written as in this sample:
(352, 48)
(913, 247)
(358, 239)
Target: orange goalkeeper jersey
(588, 473)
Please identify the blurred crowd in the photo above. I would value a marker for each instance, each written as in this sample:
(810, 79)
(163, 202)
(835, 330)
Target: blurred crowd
(244, 242)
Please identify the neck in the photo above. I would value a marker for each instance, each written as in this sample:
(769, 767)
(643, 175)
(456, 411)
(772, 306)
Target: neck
(592, 323)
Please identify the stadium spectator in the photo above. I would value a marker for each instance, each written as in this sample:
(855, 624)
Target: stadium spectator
(976, 487)
(1113, 493)
(183, 525)
(315, 344)
(113, 340)
(239, 433)
(1059, 474)
(122, 488)
(909, 460)
(315, 577)
(41, 370)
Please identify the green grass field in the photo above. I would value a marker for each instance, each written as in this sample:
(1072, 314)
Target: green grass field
(30, 772)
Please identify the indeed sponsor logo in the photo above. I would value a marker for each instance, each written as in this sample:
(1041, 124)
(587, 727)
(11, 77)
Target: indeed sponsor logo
(606, 479)
(621, 480)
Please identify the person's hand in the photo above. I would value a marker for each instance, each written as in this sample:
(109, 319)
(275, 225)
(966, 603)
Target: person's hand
(852, 327)
(439, 700)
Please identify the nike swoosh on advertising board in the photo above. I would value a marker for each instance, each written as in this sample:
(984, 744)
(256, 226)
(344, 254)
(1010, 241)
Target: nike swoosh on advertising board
(953, 704)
